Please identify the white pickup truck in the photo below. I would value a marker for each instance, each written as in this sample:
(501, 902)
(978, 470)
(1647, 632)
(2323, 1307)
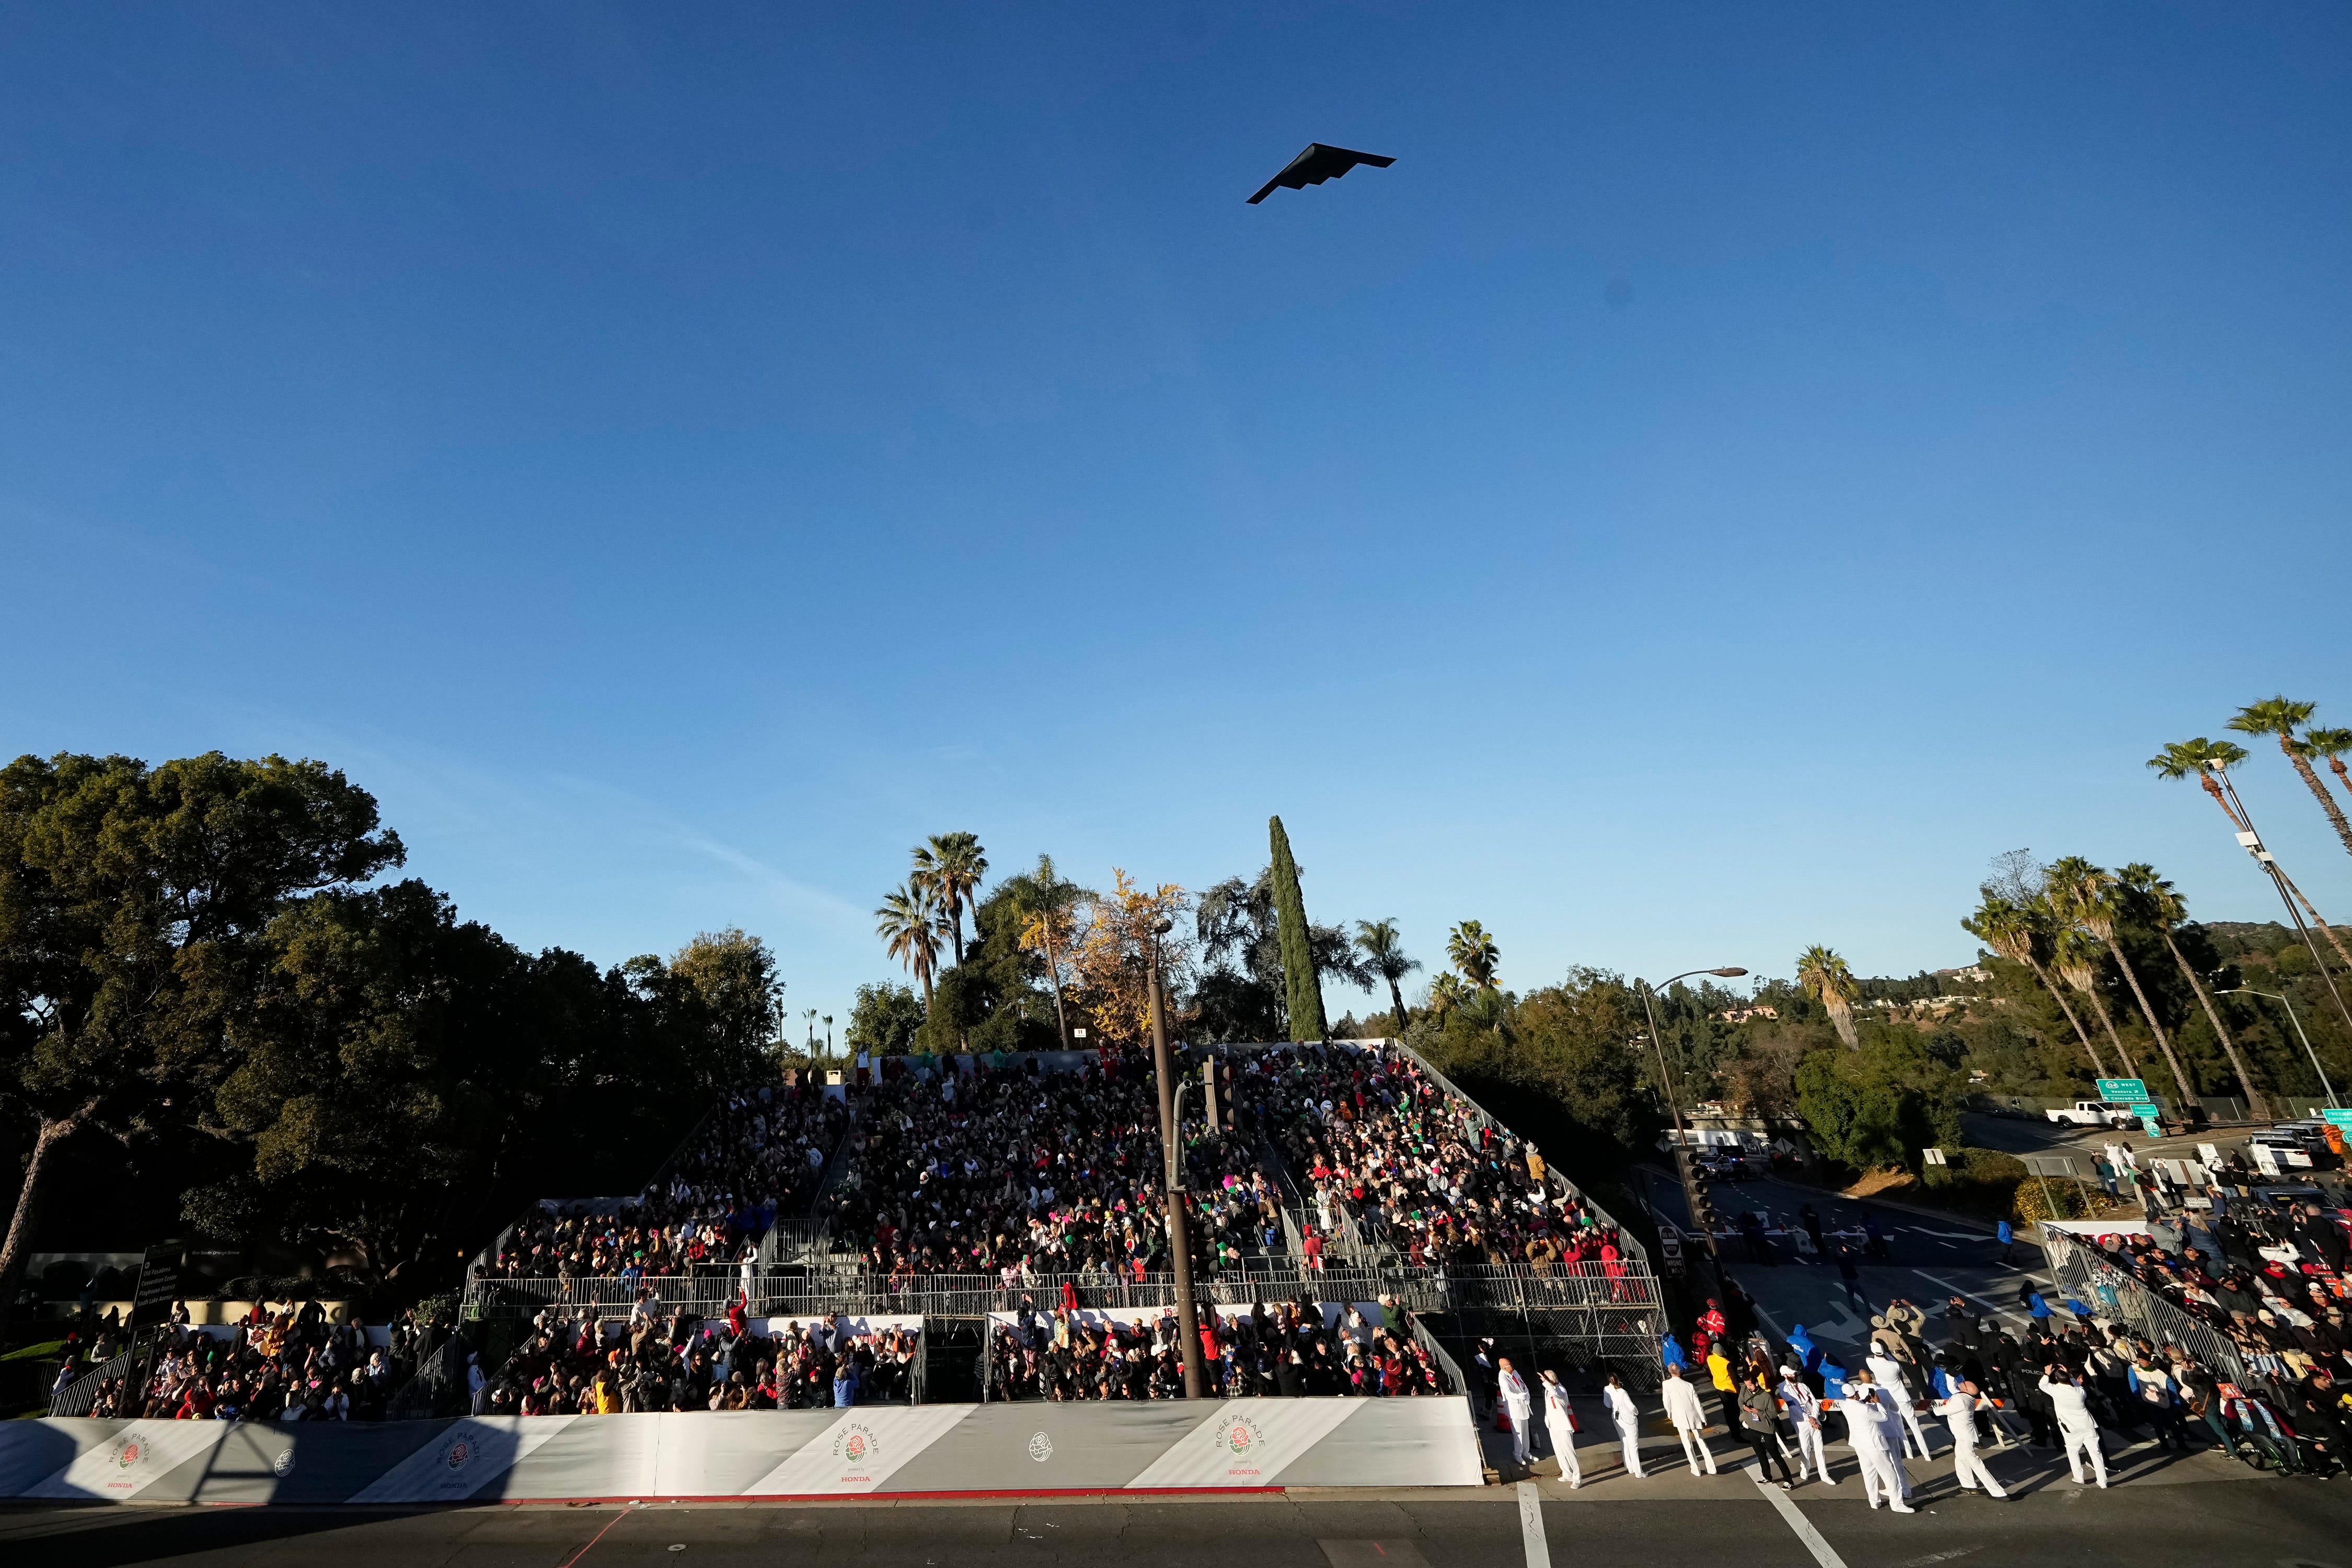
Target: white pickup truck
(2092, 1113)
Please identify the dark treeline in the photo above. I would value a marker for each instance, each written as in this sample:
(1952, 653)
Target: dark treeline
(223, 1021)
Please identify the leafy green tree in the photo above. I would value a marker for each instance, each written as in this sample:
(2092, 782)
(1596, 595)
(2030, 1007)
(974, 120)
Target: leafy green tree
(378, 1072)
(1383, 948)
(2281, 717)
(883, 1020)
(132, 900)
(733, 977)
(1242, 994)
(1304, 989)
(1826, 979)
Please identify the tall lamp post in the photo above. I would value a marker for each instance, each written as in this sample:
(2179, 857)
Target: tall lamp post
(1188, 1318)
(2326, 1087)
(2252, 838)
(1674, 1101)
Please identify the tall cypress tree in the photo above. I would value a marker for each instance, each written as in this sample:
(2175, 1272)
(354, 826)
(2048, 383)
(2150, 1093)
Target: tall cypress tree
(1305, 993)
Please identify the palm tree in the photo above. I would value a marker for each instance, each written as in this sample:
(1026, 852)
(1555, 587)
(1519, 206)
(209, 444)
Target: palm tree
(909, 927)
(2192, 759)
(2161, 905)
(1472, 954)
(2016, 932)
(2331, 744)
(2280, 716)
(1445, 994)
(2092, 899)
(1828, 981)
(811, 1016)
(950, 867)
(2075, 955)
(1383, 951)
(2202, 758)
(1044, 902)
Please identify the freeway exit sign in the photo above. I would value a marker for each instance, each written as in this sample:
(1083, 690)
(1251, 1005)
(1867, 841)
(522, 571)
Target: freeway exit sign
(2130, 1091)
(2337, 1119)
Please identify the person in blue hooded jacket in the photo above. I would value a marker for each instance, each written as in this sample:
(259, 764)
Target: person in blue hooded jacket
(1671, 1353)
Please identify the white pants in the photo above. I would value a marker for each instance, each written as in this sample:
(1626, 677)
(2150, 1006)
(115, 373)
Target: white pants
(1881, 1475)
(1911, 1427)
(2085, 1441)
(1969, 1470)
(1695, 1448)
(1563, 1448)
(1809, 1444)
(1630, 1441)
(1522, 1431)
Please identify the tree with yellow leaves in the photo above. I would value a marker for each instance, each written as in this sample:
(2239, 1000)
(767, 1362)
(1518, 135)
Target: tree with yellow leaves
(1111, 953)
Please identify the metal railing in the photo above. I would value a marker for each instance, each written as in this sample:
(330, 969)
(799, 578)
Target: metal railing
(76, 1397)
(440, 1378)
(2086, 1273)
(1576, 1288)
(1633, 1250)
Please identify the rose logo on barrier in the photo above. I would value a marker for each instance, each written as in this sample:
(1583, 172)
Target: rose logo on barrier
(1041, 1447)
(856, 1444)
(460, 1453)
(128, 1454)
(1241, 1437)
(284, 1463)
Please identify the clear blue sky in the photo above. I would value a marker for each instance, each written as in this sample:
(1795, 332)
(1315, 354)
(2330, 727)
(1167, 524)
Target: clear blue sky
(1740, 469)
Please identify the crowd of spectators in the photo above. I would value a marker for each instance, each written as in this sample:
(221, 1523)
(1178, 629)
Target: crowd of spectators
(757, 1155)
(1013, 1171)
(587, 1364)
(1291, 1349)
(290, 1364)
(1372, 1139)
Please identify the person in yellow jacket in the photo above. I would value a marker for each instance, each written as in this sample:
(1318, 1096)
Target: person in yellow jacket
(1727, 1391)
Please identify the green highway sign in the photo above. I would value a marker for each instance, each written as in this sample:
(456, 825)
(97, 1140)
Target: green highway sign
(2337, 1118)
(2130, 1091)
(2144, 1111)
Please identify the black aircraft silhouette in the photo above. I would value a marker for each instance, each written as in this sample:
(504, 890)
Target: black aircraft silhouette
(1316, 164)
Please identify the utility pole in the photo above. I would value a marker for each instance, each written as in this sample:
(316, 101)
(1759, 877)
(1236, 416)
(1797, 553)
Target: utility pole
(1188, 1317)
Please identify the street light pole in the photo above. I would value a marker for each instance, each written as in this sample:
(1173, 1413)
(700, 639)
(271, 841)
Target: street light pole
(1188, 1318)
(2326, 1087)
(2252, 841)
(1674, 1101)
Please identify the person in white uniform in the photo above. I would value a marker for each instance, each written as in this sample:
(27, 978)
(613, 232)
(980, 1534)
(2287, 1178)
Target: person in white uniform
(2078, 1432)
(1871, 1428)
(1519, 1404)
(1627, 1415)
(1559, 1425)
(1804, 1407)
(1957, 1411)
(1887, 1372)
(1689, 1417)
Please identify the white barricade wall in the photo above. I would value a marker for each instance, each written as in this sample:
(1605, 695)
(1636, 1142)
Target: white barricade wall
(885, 1450)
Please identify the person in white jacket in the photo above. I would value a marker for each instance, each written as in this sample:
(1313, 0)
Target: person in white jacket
(1804, 1408)
(1627, 1416)
(1559, 1425)
(1871, 1428)
(2077, 1429)
(1689, 1417)
(1957, 1411)
(1887, 1372)
(1520, 1405)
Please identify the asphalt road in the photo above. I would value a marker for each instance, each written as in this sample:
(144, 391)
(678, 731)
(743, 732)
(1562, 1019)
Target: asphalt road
(1930, 1261)
(2184, 1525)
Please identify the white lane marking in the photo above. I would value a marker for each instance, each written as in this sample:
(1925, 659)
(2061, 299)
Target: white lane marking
(1531, 1529)
(1823, 1554)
